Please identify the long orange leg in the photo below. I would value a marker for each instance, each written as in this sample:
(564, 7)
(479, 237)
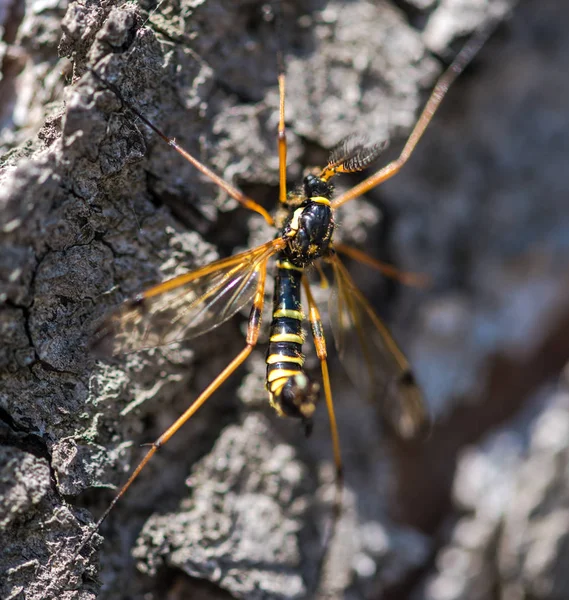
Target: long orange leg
(251, 340)
(282, 136)
(224, 185)
(441, 87)
(412, 279)
(320, 344)
(281, 139)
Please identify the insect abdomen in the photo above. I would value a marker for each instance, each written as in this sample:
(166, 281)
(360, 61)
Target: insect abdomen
(291, 393)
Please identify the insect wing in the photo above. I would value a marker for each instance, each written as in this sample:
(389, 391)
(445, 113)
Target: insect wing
(371, 357)
(185, 306)
(355, 153)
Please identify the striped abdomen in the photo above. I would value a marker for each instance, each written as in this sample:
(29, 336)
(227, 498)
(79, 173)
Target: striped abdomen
(291, 393)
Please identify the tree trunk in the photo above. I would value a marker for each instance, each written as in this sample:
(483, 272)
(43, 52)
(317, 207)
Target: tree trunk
(95, 208)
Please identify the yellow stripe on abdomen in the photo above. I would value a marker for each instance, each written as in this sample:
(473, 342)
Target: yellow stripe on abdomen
(284, 358)
(287, 337)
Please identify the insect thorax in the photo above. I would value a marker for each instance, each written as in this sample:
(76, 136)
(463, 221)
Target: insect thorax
(309, 225)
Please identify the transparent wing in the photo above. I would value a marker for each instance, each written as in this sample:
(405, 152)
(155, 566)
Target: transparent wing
(354, 153)
(185, 306)
(371, 357)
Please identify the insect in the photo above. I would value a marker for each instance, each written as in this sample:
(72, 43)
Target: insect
(194, 303)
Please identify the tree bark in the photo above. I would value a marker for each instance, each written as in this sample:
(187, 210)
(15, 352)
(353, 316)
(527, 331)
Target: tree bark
(95, 208)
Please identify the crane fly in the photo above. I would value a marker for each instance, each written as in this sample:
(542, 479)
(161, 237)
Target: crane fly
(194, 303)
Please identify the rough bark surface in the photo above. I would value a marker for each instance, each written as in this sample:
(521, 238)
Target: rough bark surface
(94, 208)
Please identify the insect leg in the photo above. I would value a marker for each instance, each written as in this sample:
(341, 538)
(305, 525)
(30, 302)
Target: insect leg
(441, 87)
(320, 344)
(282, 132)
(412, 279)
(224, 185)
(281, 139)
(251, 339)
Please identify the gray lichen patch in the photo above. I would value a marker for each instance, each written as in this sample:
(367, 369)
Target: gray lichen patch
(27, 564)
(240, 523)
